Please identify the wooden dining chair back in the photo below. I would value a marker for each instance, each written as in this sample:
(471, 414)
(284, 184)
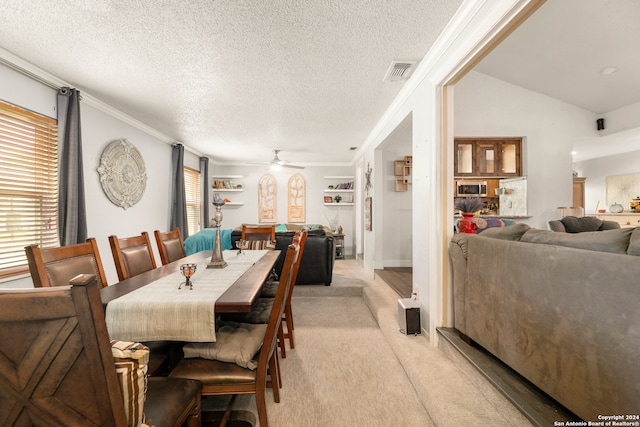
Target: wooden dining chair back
(263, 305)
(58, 367)
(224, 377)
(132, 255)
(170, 245)
(259, 236)
(57, 266)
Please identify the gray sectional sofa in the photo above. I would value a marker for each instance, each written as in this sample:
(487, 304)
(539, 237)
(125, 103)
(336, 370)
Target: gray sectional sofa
(561, 309)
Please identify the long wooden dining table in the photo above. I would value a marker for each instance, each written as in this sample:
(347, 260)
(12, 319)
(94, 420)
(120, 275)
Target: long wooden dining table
(239, 296)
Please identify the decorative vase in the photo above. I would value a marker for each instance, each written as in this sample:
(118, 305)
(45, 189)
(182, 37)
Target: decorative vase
(467, 224)
(340, 230)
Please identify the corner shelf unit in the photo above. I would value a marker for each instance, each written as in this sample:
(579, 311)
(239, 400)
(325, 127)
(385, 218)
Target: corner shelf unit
(333, 192)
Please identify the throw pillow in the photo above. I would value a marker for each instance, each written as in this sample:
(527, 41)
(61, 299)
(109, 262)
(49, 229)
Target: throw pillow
(235, 343)
(578, 225)
(634, 242)
(281, 227)
(254, 245)
(131, 361)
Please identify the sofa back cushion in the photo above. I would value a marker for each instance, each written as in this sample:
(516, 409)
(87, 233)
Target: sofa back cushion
(511, 232)
(614, 241)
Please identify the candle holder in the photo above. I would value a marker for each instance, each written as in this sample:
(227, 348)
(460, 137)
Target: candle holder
(217, 261)
(187, 271)
(241, 244)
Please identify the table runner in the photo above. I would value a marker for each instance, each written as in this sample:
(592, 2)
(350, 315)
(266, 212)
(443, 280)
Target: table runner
(160, 311)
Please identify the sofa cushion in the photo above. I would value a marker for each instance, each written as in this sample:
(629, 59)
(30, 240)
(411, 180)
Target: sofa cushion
(511, 232)
(574, 224)
(634, 242)
(235, 343)
(131, 361)
(614, 241)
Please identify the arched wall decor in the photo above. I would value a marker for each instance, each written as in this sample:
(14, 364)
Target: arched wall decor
(122, 173)
(267, 199)
(296, 199)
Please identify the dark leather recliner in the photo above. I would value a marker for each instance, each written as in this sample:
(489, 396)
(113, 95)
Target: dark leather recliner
(316, 265)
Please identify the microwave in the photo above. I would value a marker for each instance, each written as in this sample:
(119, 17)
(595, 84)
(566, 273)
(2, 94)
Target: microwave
(471, 188)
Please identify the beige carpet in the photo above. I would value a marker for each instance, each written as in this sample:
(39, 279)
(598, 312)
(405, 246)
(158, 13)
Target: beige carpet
(352, 367)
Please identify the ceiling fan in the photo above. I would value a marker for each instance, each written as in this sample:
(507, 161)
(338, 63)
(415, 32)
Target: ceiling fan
(277, 163)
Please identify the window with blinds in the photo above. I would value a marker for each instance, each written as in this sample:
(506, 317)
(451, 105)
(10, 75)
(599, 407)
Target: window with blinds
(28, 185)
(192, 192)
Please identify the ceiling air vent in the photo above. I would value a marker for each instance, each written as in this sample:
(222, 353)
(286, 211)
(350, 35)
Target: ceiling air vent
(399, 70)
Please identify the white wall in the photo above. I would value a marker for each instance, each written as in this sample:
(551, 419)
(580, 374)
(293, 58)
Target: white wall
(485, 106)
(315, 210)
(99, 129)
(597, 170)
(397, 235)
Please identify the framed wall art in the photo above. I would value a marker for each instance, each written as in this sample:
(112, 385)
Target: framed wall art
(367, 213)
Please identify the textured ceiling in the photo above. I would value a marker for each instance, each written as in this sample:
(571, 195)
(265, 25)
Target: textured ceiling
(233, 79)
(561, 50)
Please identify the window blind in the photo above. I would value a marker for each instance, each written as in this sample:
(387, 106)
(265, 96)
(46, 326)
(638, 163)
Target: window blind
(28, 185)
(192, 192)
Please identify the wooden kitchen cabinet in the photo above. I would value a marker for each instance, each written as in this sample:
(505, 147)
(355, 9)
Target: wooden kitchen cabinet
(499, 157)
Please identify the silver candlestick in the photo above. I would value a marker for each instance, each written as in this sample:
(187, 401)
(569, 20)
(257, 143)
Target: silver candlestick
(217, 261)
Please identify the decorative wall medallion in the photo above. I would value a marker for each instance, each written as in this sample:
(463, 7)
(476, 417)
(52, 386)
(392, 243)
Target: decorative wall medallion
(122, 173)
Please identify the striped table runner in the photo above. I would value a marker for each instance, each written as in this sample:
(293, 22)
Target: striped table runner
(160, 311)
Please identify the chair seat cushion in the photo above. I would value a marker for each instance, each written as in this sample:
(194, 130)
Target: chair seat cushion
(213, 372)
(269, 290)
(169, 400)
(235, 342)
(260, 312)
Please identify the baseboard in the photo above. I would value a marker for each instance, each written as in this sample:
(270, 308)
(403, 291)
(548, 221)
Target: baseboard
(540, 409)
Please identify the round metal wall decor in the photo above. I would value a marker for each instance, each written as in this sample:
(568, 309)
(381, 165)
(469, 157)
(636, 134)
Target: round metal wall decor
(122, 173)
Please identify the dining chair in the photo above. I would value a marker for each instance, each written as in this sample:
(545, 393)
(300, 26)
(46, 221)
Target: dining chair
(57, 266)
(224, 377)
(268, 293)
(259, 236)
(132, 255)
(59, 366)
(262, 307)
(170, 245)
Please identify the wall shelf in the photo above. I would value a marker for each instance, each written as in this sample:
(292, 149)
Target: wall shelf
(339, 204)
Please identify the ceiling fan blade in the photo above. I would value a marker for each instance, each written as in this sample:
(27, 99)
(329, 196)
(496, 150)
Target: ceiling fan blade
(292, 166)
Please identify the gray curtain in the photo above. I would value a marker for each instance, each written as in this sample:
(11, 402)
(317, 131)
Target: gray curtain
(204, 177)
(178, 198)
(72, 214)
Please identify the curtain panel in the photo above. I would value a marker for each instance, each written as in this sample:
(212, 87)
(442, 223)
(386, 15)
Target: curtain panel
(72, 215)
(204, 178)
(178, 197)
